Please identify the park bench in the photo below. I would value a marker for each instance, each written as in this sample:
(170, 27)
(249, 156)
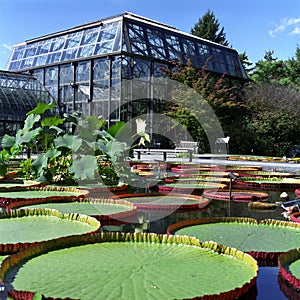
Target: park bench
(188, 145)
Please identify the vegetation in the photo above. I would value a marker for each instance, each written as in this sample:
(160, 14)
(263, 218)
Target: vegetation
(68, 149)
(208, 27)
(261, 117)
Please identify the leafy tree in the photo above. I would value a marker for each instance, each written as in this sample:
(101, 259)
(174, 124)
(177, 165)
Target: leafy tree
(221, 96)
(273, 119)
(247, 65)
(284, 72)
(208, 27)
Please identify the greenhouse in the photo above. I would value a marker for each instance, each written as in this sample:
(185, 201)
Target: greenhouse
(85, 67)
(18, 94)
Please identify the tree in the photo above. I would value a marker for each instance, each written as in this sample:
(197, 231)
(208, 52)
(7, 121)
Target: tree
(273, 122)
(208, 27)
(221, 96)
(272, 70)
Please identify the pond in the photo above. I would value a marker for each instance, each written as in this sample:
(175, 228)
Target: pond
(267, 281)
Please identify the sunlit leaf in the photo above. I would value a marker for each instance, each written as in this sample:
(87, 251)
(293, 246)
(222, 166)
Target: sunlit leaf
(41, 108)
(52, 121)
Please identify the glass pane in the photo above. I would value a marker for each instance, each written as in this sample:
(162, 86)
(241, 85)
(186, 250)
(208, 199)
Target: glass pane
(66, 74)
(30, 50)
(18, 53)
(69, 54)
(99, 108)
(44, 47)
(90, 36)
(86, 51)
(83, 93)
(54, 57)
(41, 60)
(73, 40)
(103, 48)
(173, 47)
(107, 34)
(101, 90)
(66, 93)
(141, 69)
(57, 44)
(83, 72)
(51, 76)
(101, 69)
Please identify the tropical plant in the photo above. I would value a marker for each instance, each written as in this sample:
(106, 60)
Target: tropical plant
(66, 149)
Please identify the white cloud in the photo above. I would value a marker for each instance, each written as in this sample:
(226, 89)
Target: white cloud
(284, 24)
(295, 31)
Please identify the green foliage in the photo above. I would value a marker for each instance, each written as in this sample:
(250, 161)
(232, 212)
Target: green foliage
(208, 27)
(84, 150)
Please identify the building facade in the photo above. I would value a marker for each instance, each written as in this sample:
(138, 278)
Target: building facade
(114, 67)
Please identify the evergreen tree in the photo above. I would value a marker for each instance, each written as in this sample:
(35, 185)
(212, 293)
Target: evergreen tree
(208, 27)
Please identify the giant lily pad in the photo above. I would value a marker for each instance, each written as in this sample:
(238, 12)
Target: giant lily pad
(162, 201)
(19, 198)
(289, 268)
(21, 228)
(101, 209)
(126, 266)
(236, 195)
(185, 188)
(265, 240)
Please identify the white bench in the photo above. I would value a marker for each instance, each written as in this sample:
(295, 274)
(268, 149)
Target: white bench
(188, 145)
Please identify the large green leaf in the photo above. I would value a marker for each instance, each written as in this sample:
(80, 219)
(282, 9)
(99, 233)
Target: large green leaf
(29, 135)
(115, 149)
(40, 163)
(52, 121)
(72, 142)
(84, 168)
(41, 108)
(52, 153)
(114, 129)
(30, 121)
(8, 141)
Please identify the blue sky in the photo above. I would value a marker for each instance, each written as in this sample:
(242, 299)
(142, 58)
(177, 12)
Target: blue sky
(251, 26)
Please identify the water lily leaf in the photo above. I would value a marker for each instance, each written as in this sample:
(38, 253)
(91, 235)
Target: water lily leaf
(41, 108)
(85, 167)
(72, 142)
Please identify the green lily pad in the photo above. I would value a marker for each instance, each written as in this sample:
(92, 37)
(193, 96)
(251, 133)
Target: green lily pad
(143, 269)
(90, 208)
(27, 226)
(246, 236)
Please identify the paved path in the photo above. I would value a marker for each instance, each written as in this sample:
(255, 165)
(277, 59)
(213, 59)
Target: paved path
(222, 160)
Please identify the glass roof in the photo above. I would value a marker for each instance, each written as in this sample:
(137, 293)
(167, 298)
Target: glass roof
(130, 34)
(19, 94)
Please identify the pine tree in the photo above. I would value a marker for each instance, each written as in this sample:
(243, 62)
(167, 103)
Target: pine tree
(208, 27)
